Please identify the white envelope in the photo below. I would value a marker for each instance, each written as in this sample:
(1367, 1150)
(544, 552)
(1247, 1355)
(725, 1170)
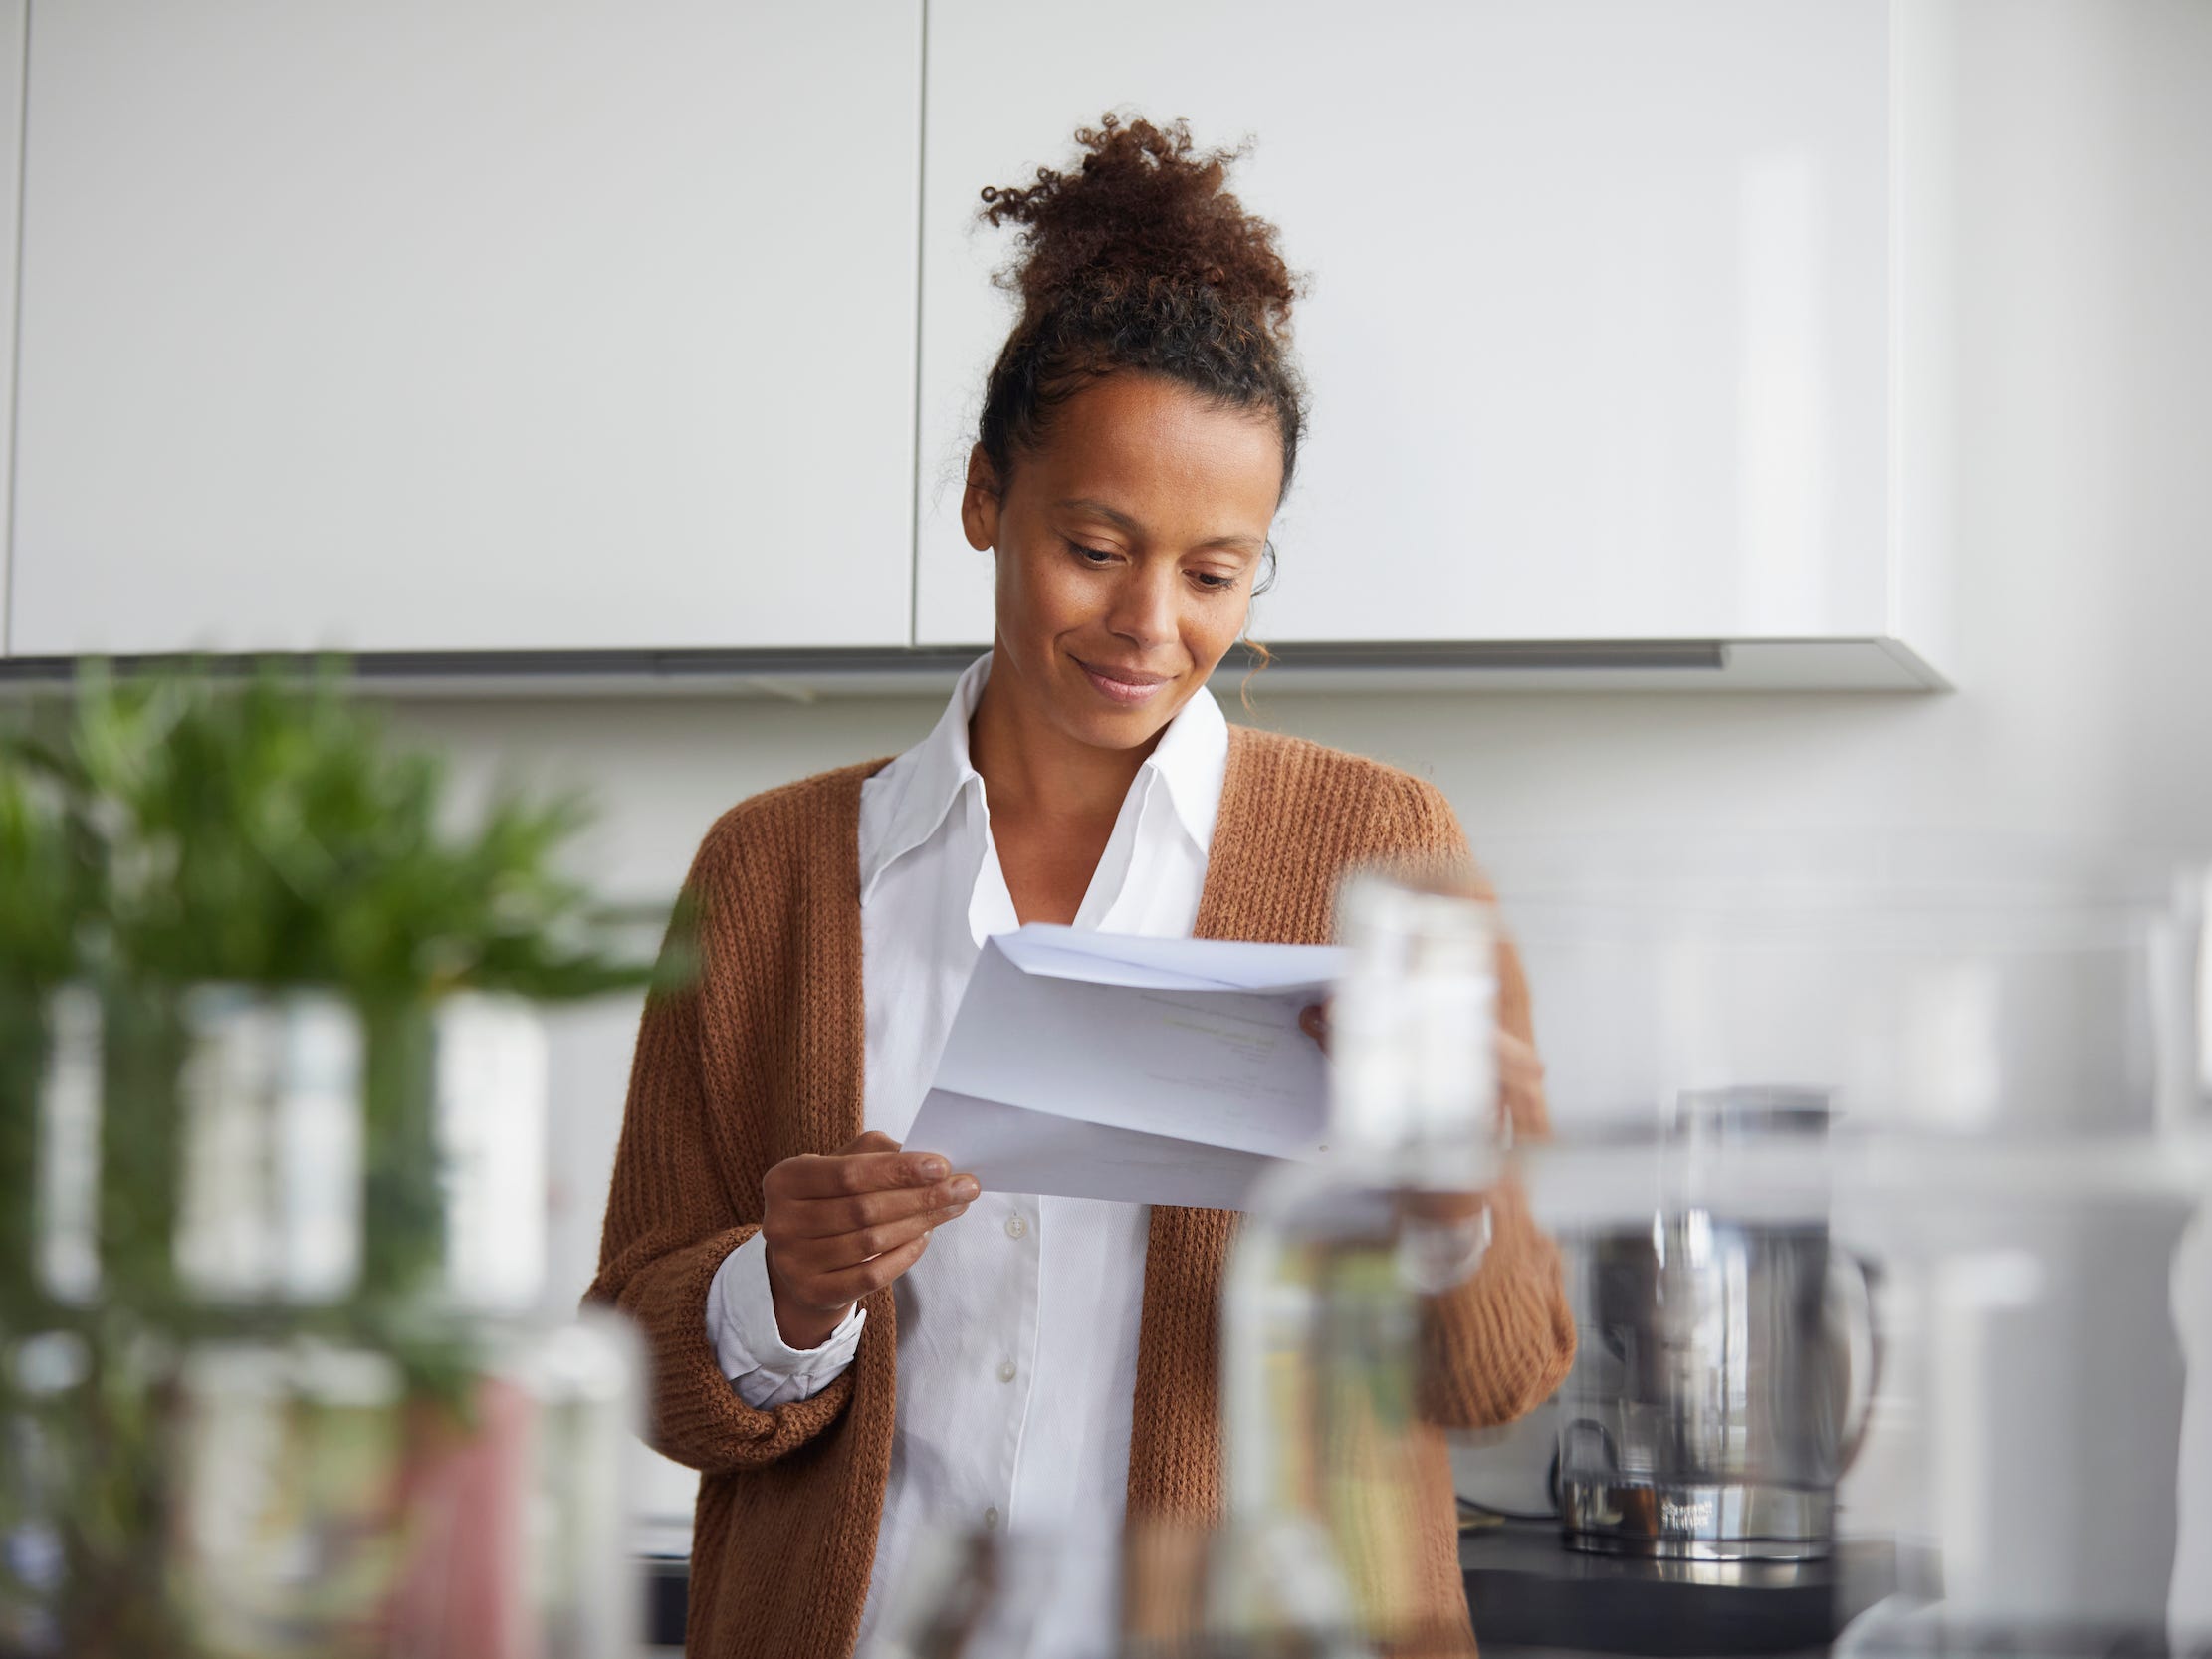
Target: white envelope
(1149, 1070)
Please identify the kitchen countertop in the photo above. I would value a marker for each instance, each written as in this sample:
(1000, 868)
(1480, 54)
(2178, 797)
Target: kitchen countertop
(1530, 1593)
(1530, 1596)
(1534, 1599)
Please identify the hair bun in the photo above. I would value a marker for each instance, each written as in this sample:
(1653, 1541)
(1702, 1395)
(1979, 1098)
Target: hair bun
(1143, 211)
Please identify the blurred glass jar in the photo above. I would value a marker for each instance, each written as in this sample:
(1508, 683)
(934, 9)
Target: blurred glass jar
(1340, 1511)
(331, 1503)
(245, 1412)
(269, 1146)
(240, 1146)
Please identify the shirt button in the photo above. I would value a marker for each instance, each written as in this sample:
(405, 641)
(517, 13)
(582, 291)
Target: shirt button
(1015, 1227)
(1005, 1370)
(991, 1517)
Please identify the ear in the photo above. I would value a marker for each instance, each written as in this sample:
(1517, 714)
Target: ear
(980, 501)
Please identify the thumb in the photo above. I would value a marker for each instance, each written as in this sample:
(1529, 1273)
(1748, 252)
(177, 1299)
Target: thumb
(875, 1140)
(1313, 1020)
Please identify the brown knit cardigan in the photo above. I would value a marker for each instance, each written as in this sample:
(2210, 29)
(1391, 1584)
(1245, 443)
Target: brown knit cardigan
(761, 1059)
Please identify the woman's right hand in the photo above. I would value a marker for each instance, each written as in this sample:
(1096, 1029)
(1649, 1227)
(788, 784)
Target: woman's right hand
(839, 1227)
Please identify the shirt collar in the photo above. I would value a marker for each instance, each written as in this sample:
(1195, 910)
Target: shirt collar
(1189, 760)
(928, 778)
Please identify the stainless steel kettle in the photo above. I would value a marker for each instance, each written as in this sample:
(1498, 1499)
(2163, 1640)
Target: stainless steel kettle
(1726, 1370)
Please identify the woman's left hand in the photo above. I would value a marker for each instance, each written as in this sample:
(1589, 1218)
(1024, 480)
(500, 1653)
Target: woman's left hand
(1520, 1074)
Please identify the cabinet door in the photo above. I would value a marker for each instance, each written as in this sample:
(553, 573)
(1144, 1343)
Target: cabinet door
(14, 15)
(1597, 327)
(468, 324)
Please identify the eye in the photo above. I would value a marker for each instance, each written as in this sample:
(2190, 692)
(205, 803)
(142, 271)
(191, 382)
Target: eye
(1214, 582)
(1093, 557)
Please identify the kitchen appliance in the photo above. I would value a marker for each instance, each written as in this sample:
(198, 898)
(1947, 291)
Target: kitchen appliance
(1727, 1360)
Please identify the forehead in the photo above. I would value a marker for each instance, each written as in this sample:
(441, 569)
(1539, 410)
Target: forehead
(1160, 451)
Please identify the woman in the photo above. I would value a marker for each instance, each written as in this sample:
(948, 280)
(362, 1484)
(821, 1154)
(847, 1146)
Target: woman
(851, 1341)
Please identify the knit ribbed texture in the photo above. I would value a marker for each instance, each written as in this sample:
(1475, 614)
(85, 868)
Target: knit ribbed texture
(761, 1058)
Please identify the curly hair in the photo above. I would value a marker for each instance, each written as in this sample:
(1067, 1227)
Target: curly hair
(1140, 261)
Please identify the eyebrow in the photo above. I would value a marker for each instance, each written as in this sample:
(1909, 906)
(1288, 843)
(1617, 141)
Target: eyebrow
(1122, 521)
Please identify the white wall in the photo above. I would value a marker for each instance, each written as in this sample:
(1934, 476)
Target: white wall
(2083, 503)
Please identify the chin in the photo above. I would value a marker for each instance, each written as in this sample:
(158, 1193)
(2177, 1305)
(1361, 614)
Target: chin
(1086, 715)
(1111, 730)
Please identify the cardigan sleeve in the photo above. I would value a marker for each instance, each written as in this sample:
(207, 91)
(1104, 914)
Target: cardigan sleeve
(1497, 1344)
(672, 1215)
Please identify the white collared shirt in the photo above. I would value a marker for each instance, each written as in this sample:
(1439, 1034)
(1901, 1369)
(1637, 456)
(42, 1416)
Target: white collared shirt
(1018, 1328)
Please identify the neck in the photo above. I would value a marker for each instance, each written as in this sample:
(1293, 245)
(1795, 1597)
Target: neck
(1032, 771)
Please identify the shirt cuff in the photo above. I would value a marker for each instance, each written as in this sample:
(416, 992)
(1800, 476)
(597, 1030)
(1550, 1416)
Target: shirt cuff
(741, 1322)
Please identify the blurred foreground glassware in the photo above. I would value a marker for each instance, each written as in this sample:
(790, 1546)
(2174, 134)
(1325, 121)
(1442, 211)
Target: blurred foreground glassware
(1934, 984)
(221, 1439)
(1010, 1593)
(1337, 1489)
(2008, 1043)
(262, 1095)
(1002, 1593)
(329, 1505)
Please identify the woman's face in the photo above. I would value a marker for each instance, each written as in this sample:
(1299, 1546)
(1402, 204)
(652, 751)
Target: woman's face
(1126, 552)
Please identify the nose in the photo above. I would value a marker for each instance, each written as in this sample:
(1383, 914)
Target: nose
(1144, 608)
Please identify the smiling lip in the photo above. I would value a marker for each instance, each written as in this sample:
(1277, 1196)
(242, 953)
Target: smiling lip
(1126, 687)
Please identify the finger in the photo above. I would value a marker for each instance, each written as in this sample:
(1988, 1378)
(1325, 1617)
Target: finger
(1518, 1068)
(837, 1288)
(1520, 1079)
(1516, 1052)
(806, 1263)
(850, 1248)
(828, 1218)
(816, 1177)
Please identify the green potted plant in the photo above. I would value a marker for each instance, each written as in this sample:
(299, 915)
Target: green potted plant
(212, 853)
(41, 902)
(43, 899)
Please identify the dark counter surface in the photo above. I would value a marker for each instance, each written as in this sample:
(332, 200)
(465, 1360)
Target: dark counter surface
(1528, 1592)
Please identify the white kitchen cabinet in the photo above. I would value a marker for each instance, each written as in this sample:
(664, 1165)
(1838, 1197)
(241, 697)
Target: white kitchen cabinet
(452, 326)
(1600, 332)
(12, 20)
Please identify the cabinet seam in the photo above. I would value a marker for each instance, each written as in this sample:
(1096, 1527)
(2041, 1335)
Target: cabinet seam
(921, 241)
